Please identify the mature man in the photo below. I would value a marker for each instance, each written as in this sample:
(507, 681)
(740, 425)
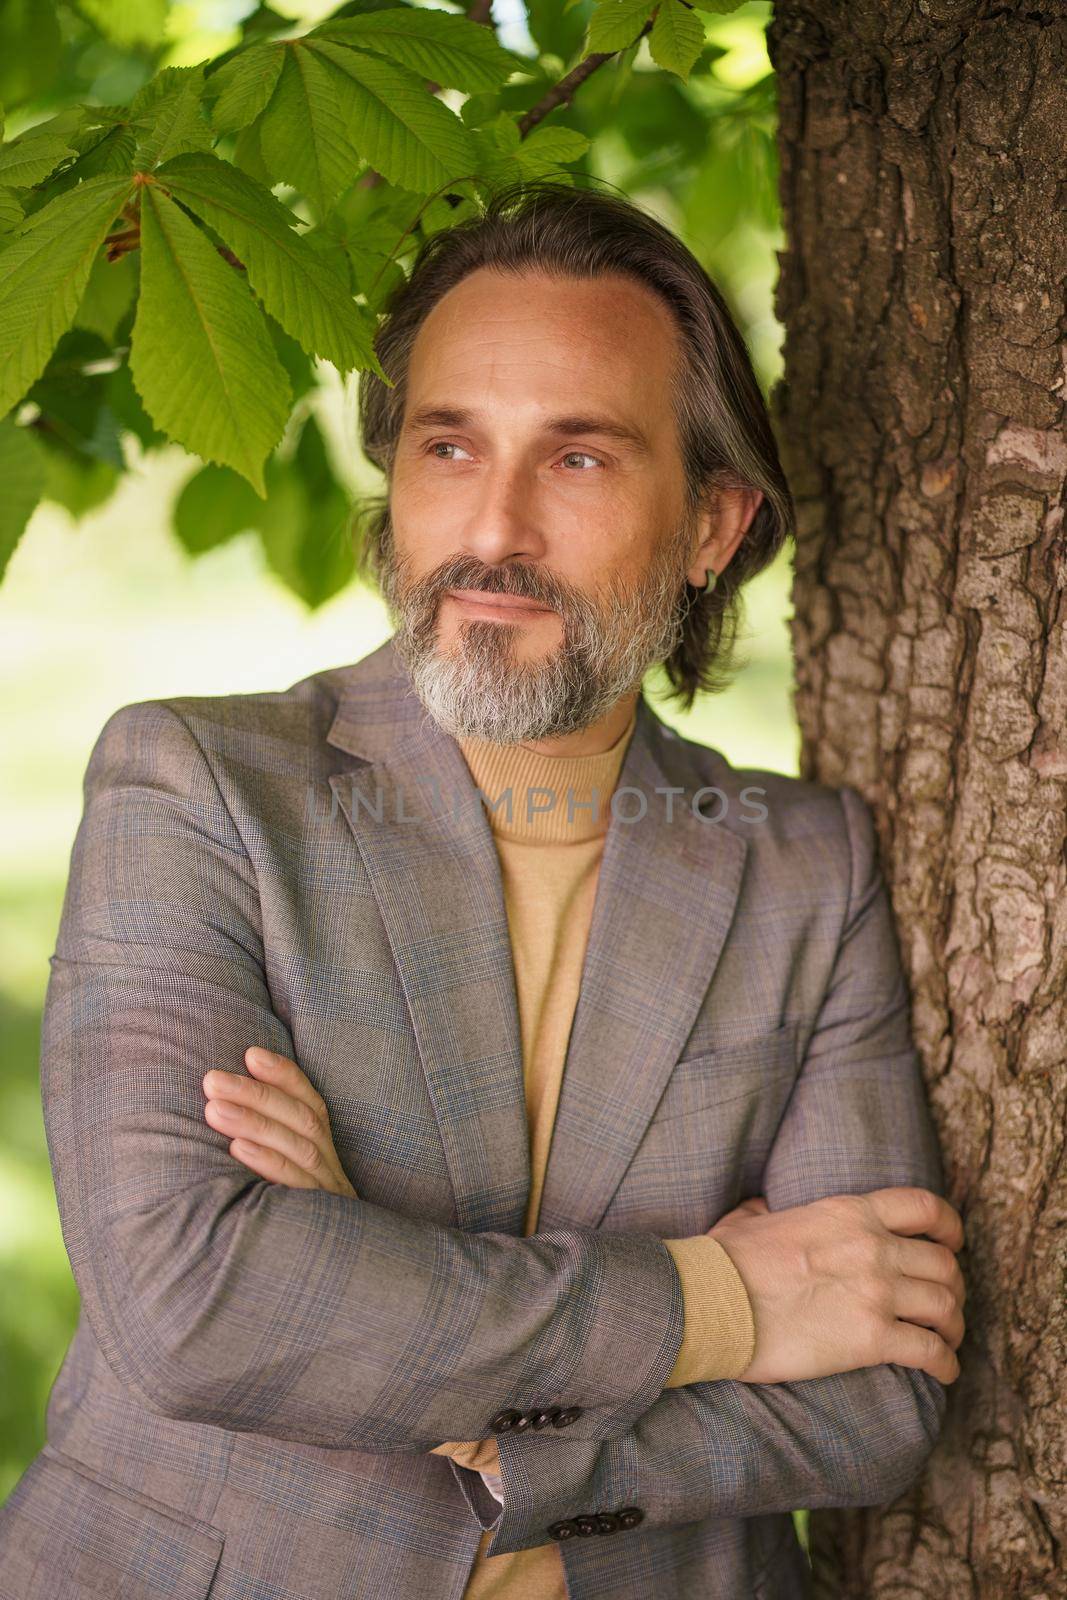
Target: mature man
(566, 1236)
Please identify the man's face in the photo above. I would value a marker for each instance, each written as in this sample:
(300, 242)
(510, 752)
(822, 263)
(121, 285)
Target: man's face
(523, 493)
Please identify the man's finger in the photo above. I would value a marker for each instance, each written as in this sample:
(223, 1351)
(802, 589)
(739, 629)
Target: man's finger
(919, 1258)
(284, 1073)
(271, 1097)
(271, 1164)
(907, 1210)
(270, 1133)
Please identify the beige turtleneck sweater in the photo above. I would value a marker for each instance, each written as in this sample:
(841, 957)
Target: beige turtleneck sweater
(549, 864)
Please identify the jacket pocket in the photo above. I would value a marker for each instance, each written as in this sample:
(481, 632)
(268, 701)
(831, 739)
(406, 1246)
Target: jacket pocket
(765, 1065)
(68, 1534)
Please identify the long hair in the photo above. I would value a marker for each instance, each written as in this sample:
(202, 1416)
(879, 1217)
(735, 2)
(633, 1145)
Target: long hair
(725, 433)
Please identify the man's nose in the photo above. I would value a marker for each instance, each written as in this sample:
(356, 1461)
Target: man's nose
(503, 520)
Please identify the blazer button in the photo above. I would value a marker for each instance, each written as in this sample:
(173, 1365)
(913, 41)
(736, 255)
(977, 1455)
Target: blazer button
(586, 1525)
(561, 1530)
(541, 1419)
(630, 1516)
(505, 1420)
(607, 1522)
(523, 1423)
(563, 1419)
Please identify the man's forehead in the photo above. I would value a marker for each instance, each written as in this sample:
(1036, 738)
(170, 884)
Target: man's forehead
(590, 326)
(560, 355)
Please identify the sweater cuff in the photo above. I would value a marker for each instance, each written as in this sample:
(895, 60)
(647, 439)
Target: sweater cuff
(479, 1455)
(719, 1338)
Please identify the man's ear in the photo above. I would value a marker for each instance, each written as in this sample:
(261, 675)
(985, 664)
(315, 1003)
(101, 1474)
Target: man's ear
(722, 524)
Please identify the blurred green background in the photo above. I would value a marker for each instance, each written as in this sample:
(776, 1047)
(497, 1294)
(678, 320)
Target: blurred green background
(108, 609)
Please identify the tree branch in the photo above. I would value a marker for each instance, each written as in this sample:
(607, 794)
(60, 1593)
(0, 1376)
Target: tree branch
(562, 93)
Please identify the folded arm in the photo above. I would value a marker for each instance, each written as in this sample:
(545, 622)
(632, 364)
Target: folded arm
(718, 1341)
(857, 1120)
(218, 1297)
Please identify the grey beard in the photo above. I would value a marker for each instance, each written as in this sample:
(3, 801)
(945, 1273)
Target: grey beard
(477, 689)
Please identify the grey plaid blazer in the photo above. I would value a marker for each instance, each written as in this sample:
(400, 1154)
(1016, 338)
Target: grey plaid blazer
(259, 1373)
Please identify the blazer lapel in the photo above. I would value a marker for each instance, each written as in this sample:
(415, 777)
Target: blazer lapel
(416, 817)
(665, 899)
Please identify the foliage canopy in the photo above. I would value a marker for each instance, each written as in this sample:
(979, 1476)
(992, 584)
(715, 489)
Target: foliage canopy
(175, 266)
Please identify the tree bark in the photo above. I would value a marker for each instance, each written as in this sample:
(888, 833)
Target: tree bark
(921, 421)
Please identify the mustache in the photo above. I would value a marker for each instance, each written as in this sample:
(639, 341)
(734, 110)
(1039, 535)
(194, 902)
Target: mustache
(522, 582)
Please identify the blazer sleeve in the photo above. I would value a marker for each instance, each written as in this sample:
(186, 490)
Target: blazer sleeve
(857, 1120)
(719, 1339)
(219, 1297)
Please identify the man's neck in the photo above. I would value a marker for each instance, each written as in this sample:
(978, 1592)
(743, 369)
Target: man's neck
(594, 740)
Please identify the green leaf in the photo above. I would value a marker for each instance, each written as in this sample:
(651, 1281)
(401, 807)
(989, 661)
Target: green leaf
(615, 24)
(478, 109)
(622, 72)
(305, 523)
(297, 363)
(243, 86)
(264, 19)
(359, 8)
(10, 210)
(330, 251)
(451, 51)
(214, 505)
(78, 483)
(35, 154)
(408, 135)
(292, 279)
(370, 226)
(556, 32)
(201, 357)
(494, 168)
(125, 406)
(248, 154)
(504, 132)
(30, 49)
(439, 215)
(22, 472)
(721, 7)
(170, 113)
(46, 267)
(112, 153)
(546, 148)
(109, 294)
(127, 22)
(303, 133)
(677, 38)
(72, 397)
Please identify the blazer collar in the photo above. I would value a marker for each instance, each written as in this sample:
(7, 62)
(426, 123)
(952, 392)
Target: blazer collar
(665, 898)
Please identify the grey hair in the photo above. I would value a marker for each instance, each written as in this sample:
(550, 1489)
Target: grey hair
(724, 429)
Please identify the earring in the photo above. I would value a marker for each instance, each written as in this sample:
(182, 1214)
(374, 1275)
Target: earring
(710, 581)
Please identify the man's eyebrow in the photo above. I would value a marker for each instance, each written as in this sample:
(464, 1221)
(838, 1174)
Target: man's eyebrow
(562, 426)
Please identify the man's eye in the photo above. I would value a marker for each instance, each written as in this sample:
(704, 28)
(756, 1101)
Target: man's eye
(438, 445)
(443, 444)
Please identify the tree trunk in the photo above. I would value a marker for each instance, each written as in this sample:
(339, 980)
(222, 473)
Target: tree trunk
(921, 420)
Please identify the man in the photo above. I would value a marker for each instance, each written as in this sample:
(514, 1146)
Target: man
(566, 1236)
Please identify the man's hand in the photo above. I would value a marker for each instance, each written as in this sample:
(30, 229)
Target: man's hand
(838, 1284)
(277, 1123)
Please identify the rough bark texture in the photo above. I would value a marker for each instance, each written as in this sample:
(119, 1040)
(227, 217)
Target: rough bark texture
(921, 417)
